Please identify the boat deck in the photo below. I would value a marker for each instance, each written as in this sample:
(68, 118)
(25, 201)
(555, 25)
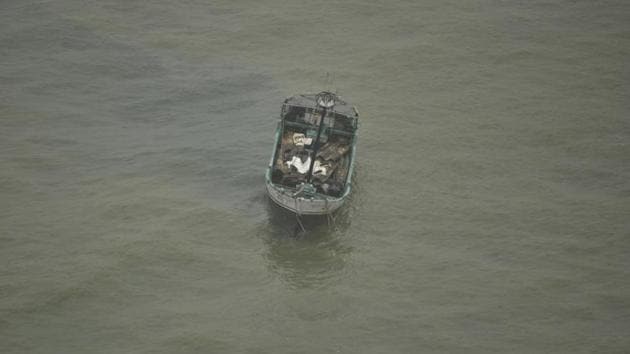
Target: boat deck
(294, 154)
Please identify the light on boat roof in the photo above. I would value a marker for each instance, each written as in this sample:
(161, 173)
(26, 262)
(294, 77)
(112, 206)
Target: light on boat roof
(326, 99)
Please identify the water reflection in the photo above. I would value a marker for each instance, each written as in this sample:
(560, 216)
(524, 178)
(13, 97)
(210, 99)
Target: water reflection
(305, 259)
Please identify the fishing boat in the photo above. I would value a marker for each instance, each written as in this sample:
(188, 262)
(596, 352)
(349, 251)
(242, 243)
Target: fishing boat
(311, 165)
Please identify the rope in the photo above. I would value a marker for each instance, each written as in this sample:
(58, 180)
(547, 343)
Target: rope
(297, 216)
(326, 210)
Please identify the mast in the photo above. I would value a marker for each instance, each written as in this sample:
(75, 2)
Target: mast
(325, 100)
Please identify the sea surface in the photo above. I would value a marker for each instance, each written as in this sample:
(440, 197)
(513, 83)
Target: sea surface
(491, 212)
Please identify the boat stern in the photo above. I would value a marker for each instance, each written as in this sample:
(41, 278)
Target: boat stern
(290, 199)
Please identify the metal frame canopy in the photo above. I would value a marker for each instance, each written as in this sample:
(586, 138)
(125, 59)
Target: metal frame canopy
(324, 99)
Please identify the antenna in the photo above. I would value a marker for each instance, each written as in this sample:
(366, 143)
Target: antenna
(332, 81)
(329, 82)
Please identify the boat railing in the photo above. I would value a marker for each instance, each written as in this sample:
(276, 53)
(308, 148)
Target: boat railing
(328, 129)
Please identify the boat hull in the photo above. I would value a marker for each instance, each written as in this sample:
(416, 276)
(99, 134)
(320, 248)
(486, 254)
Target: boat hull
(301, 205)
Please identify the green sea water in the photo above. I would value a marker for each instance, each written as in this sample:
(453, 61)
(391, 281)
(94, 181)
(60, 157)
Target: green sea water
(491, 212)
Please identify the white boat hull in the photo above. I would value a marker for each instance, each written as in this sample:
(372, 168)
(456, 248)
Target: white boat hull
(303, 205)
